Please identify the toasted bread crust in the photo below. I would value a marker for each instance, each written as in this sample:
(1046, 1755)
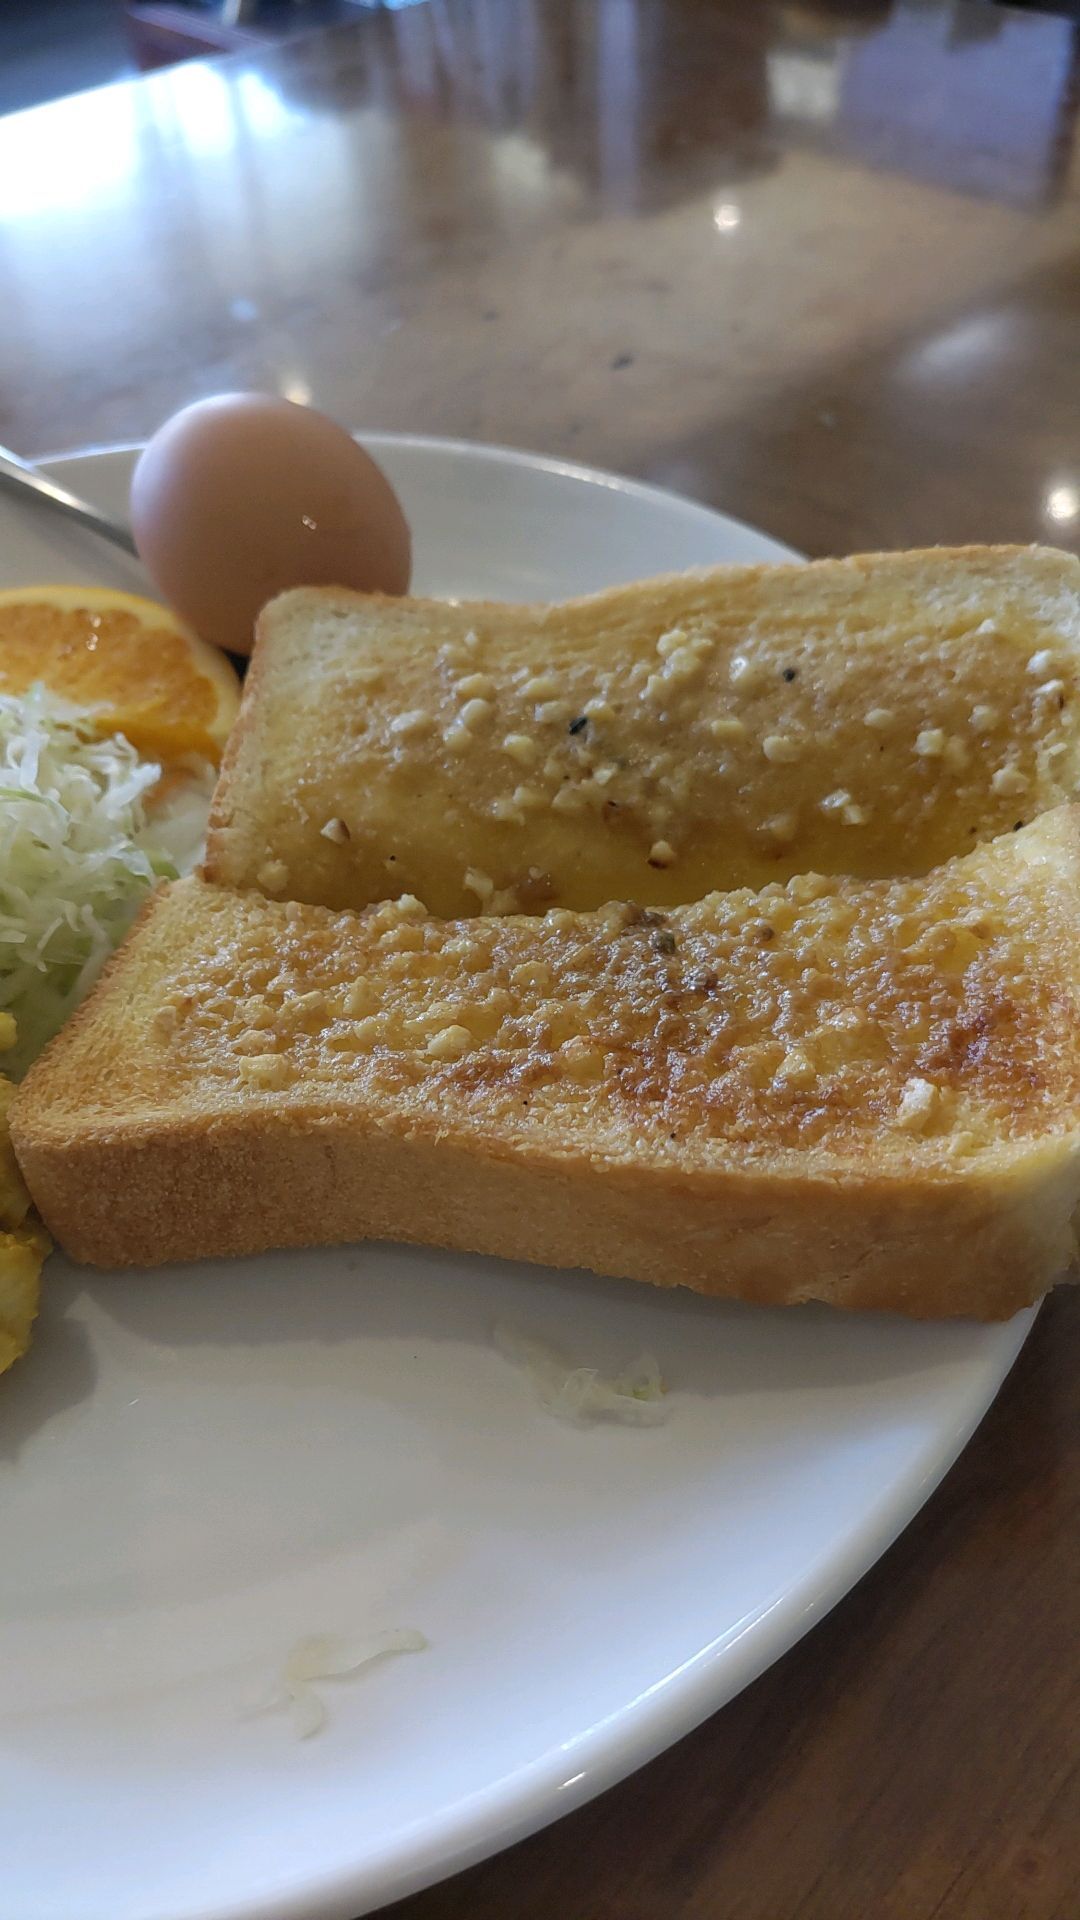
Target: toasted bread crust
(856, 1117)
(980, 1245)
(862, 1090)
(874, 715)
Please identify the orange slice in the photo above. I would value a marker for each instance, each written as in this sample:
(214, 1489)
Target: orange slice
(144, 673)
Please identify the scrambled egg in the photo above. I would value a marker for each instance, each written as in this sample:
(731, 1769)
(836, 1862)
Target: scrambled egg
(24, 1244)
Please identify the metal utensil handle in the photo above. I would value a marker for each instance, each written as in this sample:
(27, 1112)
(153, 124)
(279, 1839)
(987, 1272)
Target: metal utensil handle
(17, 477)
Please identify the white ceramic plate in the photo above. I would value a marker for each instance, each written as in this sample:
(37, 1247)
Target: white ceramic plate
(199, 1468)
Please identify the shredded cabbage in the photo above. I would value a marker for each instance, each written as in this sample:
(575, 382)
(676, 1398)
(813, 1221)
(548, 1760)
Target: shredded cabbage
(323, 1656)
(634, 1396)
(80, 847)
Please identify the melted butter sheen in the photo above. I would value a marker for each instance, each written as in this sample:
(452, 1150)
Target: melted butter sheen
(820, 1009)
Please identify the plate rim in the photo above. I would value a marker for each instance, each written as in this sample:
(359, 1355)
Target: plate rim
(531, 1798)
(646, 491)
(536, 1794)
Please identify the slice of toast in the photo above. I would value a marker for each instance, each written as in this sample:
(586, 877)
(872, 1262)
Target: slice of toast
(860, 1092)
(870, 716)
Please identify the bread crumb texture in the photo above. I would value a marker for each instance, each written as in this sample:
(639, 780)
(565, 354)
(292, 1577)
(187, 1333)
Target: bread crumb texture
(814, 1014)
(656, 743)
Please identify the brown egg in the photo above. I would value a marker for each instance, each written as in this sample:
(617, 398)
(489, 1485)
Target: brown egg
(237, 498)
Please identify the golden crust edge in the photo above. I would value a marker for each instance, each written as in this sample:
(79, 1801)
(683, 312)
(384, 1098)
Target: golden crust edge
(981, 1244)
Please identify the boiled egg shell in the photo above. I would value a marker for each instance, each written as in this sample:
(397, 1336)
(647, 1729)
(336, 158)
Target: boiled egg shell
(239, 497)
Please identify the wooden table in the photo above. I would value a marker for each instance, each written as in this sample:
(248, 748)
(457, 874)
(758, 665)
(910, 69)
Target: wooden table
(818, 266)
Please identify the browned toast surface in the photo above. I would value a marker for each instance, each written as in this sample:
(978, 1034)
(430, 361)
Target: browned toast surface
(867, 1092)
(872, 716)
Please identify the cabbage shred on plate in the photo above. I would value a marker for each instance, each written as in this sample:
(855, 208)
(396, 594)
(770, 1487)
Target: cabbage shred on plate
(79, 850)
